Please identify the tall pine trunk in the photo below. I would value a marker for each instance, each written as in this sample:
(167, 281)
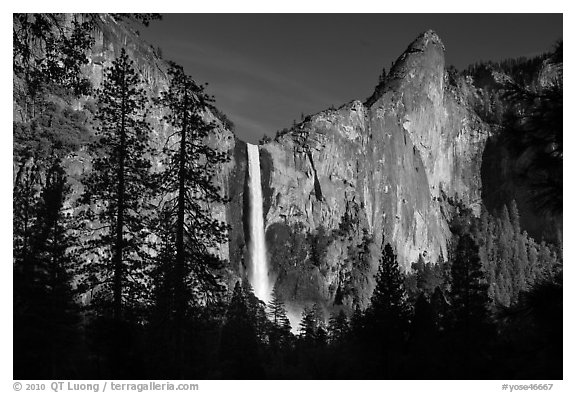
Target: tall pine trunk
(120, 221)
(179, 265)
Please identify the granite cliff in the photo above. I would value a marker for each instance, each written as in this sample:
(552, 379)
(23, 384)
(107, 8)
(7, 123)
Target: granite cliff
(336, 185)
(385, 166)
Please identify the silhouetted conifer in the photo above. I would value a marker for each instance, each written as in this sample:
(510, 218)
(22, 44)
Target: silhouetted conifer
(308, 325)
(388, 311)
(256, 311)
(469, 289)
(469, 302)
(188, 187)
(338, 328)
(423, 338)
(357, 324)
(238, 355)
(25, 206)
(440, 309)
(46, 331)
(387, 317)
(114, 192)
(188, 191)
(280, 324)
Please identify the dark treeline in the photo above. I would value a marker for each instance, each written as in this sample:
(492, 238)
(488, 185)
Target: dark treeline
(117, 278)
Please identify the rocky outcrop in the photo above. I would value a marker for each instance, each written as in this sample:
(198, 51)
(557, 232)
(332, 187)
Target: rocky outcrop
(343, 181)
(395, 158)
(339, 184)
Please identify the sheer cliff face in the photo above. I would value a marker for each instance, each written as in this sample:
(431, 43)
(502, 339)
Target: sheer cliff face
(339, 184)
(379, 169)
(396, 157)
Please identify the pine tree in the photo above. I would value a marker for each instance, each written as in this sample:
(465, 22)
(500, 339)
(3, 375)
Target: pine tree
(424, 338)
(256, 311)
(445, 267)
(49, 51)
(532, 265)
(52, 240)
(382, 76)
(487, 250)
(469, 293)
(515, 217)
(308, 325)
(440, 308)
(312, 330)
(115, 188)
(280, 324)
(357, 324)
(387, 317)
(546, 261)
(25, 202)
(506, 222)
(519, 258)
(422, 325)
(321, 336)
(469, 302)
(338, 327)
(277, 310)
(45, 314)
(389, 309)
(504, 257)
(186, 185)
(162, 317)
(238, 355)
(520, 264)
(428, 275)
(144, 19)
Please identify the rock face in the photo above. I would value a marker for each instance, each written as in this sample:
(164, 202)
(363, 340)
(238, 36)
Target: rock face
(342, 182)
(392, 160)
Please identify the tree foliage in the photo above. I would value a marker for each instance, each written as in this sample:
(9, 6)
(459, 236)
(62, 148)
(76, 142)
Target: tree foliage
(280, 324)
(188, 191)
(238, 356)
(46, 316)
(469, 294)
(388, 310)
(114, 191)
(144, 19)
(50, 49)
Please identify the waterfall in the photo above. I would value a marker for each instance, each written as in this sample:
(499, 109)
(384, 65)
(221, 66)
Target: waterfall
(259, 269)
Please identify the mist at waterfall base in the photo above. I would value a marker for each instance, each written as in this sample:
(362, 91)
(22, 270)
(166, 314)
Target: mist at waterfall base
(259, 272)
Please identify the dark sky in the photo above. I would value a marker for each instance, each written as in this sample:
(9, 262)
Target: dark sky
(266, 69)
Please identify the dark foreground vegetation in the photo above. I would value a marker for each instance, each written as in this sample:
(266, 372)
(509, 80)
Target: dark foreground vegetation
(442, 321)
